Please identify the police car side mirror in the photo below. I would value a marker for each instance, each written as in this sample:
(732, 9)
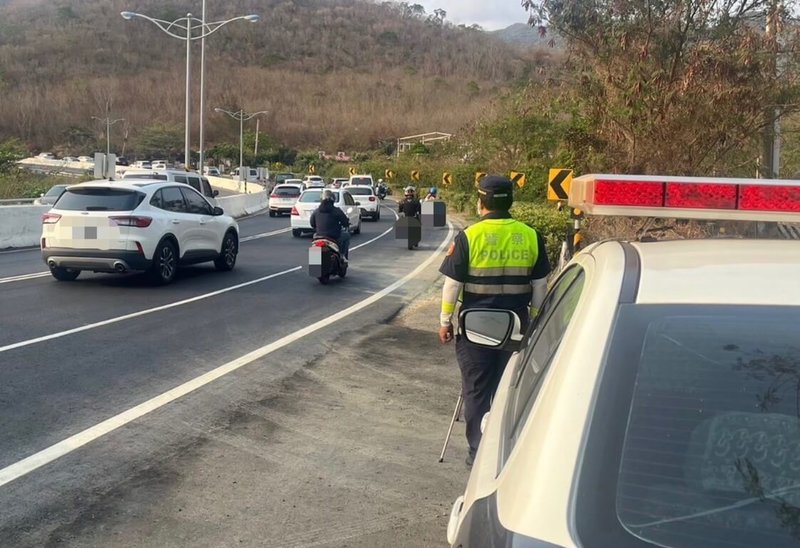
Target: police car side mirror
(491, 328)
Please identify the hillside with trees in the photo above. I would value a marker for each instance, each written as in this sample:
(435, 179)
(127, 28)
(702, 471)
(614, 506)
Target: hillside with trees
(335, 74)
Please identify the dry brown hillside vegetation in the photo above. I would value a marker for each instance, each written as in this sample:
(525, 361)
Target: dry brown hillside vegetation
(338, 74)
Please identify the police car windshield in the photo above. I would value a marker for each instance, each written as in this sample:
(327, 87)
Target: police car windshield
(710, 431)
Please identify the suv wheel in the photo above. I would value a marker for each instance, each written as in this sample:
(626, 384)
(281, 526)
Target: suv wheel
(165, 263)
(271, 213)
(377, 216)
(227, 257)
(64, 274)
(296, 232)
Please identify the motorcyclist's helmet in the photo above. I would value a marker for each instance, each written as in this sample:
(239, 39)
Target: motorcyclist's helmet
(432, 191)
(409, 191)
(380, 181)
(327, 196)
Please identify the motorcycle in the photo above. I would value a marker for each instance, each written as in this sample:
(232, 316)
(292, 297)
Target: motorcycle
(324, 260)
(382, 192)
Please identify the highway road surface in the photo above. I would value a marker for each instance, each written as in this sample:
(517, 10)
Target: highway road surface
(100, 376)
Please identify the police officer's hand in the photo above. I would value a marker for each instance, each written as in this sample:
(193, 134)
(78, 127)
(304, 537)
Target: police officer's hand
(446, 333)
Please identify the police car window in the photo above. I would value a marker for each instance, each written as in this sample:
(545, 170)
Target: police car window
(711, 453)
(348, 199)
(173, 199)
(181, 179)
(565, 297)
(195, 203)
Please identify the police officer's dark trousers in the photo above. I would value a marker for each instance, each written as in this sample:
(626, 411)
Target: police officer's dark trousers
(481, 370)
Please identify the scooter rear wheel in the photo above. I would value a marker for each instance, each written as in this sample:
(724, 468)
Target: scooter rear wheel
(325, 279)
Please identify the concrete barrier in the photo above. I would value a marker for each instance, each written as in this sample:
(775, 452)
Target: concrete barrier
(243, 204)
(21, 225)
(234, 185)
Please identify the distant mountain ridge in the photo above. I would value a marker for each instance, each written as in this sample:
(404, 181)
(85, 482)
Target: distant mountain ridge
(521, 34)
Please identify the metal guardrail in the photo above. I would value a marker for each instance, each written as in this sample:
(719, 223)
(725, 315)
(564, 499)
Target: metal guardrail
(16, 201)
(789, 231)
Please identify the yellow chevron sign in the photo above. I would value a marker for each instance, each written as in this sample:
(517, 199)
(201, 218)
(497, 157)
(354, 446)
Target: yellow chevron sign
(447, 178)
(478, 176)
(389, 174)
(352, 171)
(519, 178)
(415, 175)
(312, 169)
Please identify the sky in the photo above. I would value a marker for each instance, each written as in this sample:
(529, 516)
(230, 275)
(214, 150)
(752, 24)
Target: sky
(489, 14)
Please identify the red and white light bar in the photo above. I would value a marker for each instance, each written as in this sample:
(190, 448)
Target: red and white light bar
(687, 197)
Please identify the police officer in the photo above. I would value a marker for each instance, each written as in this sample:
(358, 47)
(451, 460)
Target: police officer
(496, 263)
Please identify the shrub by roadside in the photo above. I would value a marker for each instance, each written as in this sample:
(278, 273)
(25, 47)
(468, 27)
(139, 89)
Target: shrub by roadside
(21, 184)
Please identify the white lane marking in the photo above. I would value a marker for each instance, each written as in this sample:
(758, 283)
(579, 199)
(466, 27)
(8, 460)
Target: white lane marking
(264, 234)
(70, 444)
(22, 277)
(118, 319)
(23, 250)
(110, 321)
(381, 235)
(34, 275)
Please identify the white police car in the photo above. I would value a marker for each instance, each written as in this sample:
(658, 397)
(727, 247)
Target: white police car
(655, 401)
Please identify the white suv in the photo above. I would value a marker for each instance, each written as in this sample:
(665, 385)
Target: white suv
(125, 226)
(368, 201)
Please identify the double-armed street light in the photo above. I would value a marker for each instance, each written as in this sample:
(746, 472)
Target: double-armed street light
(184, 29)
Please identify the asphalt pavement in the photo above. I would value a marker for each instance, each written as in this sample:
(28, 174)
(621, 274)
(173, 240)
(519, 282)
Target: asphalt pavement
(101, 377)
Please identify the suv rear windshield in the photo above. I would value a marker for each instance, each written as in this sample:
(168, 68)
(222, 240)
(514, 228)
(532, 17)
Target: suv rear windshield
(360, 191)
(100, 199)
(361, 181)
(310, 197)
(696, 434)
(286, 191)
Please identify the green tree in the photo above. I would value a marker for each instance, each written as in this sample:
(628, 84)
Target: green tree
(11, 151)
(676, 86)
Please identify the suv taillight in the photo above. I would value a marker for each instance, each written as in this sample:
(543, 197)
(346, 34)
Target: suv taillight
(132, 220)
(294, 211)
(50, 218)
(372, 198)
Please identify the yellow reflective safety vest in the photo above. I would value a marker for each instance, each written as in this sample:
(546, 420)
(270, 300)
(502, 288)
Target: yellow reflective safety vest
(502, 256)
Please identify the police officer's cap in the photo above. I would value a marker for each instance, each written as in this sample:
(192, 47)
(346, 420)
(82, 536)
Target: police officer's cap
(496, 186)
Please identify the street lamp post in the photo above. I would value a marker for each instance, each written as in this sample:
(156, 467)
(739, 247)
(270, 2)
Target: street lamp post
(109, 122)
(183, 29)
(242, 116)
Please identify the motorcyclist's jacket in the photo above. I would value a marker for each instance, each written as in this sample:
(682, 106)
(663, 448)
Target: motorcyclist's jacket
(410, 207)
(328, 221)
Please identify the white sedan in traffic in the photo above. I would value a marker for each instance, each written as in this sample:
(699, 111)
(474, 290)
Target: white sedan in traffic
(654, 400)
(309, 202)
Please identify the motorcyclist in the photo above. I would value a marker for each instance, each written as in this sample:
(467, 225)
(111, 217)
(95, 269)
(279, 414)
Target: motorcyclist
(328, 221)
(381, 189)
(410, 206)
(432, 192)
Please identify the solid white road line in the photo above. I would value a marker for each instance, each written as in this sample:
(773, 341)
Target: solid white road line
(64, 447)
(22, 277)
(264, 234)
(142, 312)
(118, 319)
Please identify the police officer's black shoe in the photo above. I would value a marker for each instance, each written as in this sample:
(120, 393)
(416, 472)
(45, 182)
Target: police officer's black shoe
(469, 460)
